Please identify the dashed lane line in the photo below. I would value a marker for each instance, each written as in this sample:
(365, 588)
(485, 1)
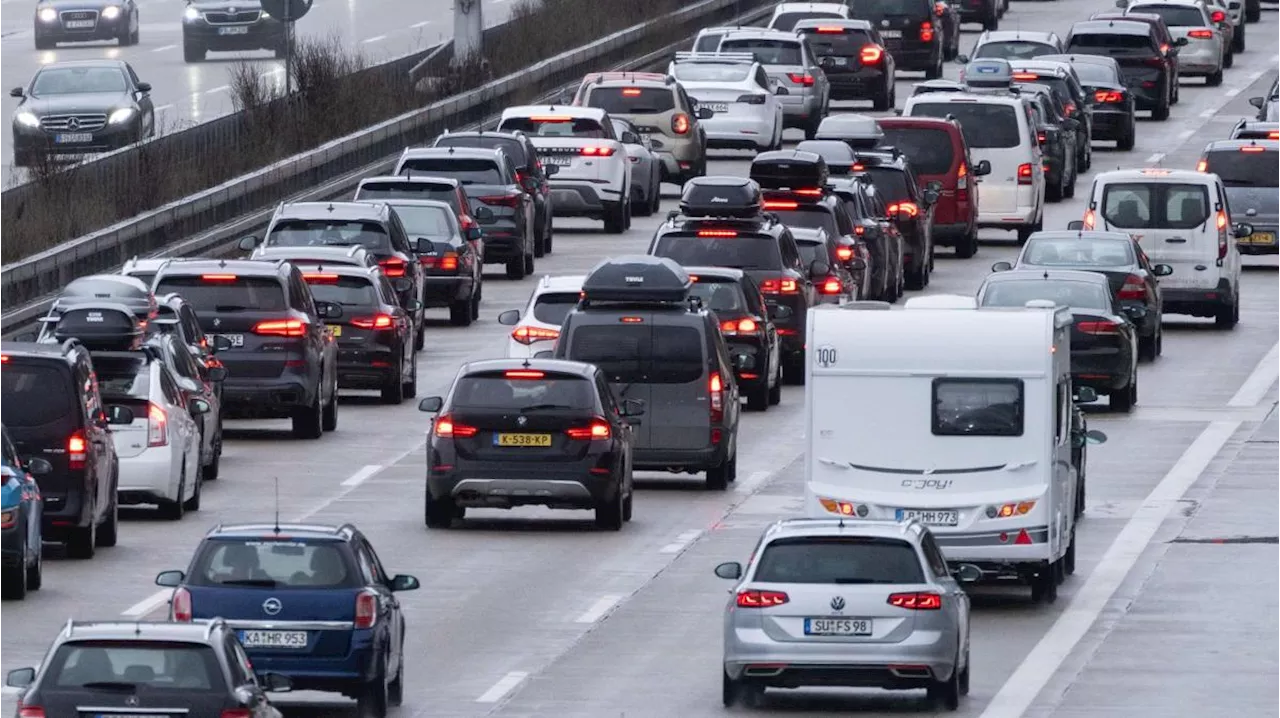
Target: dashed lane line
(505, 685)
(599, 609)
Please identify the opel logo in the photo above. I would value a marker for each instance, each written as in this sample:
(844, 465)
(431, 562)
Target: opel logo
(131, 701)
(837, 604)
(272, 606)
(522, 421)
(217, 322)
(73, 124)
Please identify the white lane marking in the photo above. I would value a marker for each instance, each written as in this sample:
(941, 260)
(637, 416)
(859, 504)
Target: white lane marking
(1020, 689)
(164, 48)
(1155, 158)
(375, 38)
(424, 23)
(269, 73)
(682, 541)
(598, 609)
(147, 605)
(163, 108)
(1185, 135)
(1259, 381)
(1232, 92)
(216, 90)
(343, 494)
(360, 476)
(1208, 113)
(748, 486)
(504, 686)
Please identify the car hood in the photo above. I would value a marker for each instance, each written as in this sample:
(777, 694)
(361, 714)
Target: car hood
(1263, 199)
(103, 102)
(61, 5)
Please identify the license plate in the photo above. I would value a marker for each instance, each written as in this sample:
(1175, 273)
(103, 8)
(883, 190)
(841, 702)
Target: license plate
(891, 34)
(837, 626)
(335, 329)
(238, 30)
(131, 715)
(561, 160)
(72, 138)
(945, 517)
(237, 340)
(717, 106)
(522, 440)
(80, 24)
(274, 639)
(838, 61)
(1259, 238)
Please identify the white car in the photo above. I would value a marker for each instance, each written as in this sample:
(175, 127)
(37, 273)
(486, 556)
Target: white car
(748, 114)
(159, 451)
(646, 168)
(1205, 53)
(537, 327)
(787, 14)
(594, 177)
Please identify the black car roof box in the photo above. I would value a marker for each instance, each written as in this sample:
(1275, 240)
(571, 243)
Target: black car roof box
(790, 169)
(637, 279)
(720, 197)
(103, 325)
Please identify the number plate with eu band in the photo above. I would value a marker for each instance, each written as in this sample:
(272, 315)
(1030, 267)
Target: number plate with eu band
(837, 626)
(237, 340)
(237, 30)
(274, 639)
(522, 440)
(561, 160)
(80, 24)
(943, 517)
(73, 138)
(1259, 238)
(131, 715)
(335, 329)
(891, 34)
(716, 106)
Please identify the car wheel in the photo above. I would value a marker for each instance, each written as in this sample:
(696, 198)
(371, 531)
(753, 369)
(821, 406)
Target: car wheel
(1069, 559)
(615, 217)
(13, 583)
(1147, 347)
(1159, 341)
(947, 692)
(515, 269)
(627, 506)
(964, 675)
(1230, 60)
(775, 391)
(35, 572)
(992, 23)
(718, 476)
(1216, 78)
(475, 304)
(439, 513)
(393, 384)
(1122, 400)
(460, 314)
(758, 397)
(1125, 143)
(395, 689)
(609, 513)
(410, 389)
(106, 535)
(82, 541)
(177, 508)
(1252, 13)
(308, 422)
(373, 699)
(193, 503)
(1044, 586)
(211, 471)
(329, 422)
(968, 245)
(1227, 316)
(934, 72)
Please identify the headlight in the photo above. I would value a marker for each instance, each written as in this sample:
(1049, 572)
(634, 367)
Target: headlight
(265, 15)
(110, 12)
(27, 119)
(192, 14)
(120, 116)
(48, 14)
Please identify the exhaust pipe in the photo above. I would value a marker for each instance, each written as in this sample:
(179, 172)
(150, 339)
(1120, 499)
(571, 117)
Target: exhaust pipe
(911, 671)
(765, 670)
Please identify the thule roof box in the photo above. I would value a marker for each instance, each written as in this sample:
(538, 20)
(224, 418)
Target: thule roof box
(114, 288)
(790, 170)
(988, 72)
(637, 279)
(859, 131)
(720, 197)
(102, 325)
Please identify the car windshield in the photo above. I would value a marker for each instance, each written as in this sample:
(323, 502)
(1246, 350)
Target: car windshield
(121, 378)
(839, 560)
(632, 100)
(767, 52)
(808, 218)
(719, 294)
(1077, 251)
(639, 352)
(1154, 205)
(787, 20)
(553, 307)
(347, 291)
(35, 393)
(1240, 168)
(876, 9)
(985, 125)
(743, 252)
(408, 190)
(1175, 15)
(929, 150)
(78, 80)
(700, 72)
(1015, 50)
(328, 233)
(496, 391)
(890, 183)
(426, 221)
(465, 170)
(168, 666)
(1110, 43)
(555, 126)
(1065, 293)
(277, 563)
(226, 292)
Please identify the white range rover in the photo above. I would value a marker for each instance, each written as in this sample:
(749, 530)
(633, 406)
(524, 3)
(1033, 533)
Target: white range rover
(593, 175)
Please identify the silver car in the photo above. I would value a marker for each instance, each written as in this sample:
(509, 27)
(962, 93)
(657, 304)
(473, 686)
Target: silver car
(646, 168)
(846, 603)
(788, 59)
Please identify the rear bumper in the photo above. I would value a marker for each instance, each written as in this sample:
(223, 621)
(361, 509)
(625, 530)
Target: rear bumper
(581, 199)
(1111, 125)
(1106, 369)
(1200, 59)
(686, 460)
(366, 368)
(1019, 217)
(751, 655)
(865, 83)
(741, 132)
(948, 235)
(332, 674)
(443, 291)
(918, 58)
(148, 477)
(504, 244)
(799, 108)
(65, 511)
(1197, 302)
(266, 398)
(574, 484)
(996, 547)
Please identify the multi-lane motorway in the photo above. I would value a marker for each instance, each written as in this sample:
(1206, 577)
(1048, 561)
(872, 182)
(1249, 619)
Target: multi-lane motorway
(197, 92)
(533, 613)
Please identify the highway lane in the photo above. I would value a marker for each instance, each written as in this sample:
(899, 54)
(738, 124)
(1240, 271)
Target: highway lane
(185, 94)
(534, 613)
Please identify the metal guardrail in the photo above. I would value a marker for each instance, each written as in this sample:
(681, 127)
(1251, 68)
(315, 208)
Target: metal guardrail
(215, 218)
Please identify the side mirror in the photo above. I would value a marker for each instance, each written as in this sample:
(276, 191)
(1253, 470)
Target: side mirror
(1243, 230)
(546, 354)
(1255, 101)
(144, 87)
(509, 318)
(220, 343)
(705, 113)
(248, 244)
(20, 678)
(170, 579)
(404, 582)
(1093, 436)
(967, 573)
(551, 170)
(1001, 267)
(629, 138)
(431, 404)
(474, 233)
(412, 305)
(632, 407)
(424, 246)
(962, 59)
(780, 311)
(119, 415)
(37, 466)
(328, 310)
(1075, 226)
(217, 373)
(935, 185)
(402, 284)
(1162, 270)
(781, 90)
(1086, 395)
(931, 196)
(731, 570)
(819, 268)
(276, 683)
(1183, 42)
(199, 407)
(15, 92)
(483, 215)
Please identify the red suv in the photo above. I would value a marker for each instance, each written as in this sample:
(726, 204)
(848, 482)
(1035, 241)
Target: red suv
(937, 152)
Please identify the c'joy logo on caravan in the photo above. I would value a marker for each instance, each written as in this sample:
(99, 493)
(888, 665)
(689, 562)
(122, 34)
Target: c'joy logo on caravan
(826, 355)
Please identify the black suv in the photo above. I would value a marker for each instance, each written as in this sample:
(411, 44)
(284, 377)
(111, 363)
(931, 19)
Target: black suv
(1149, 70)
(1056, 136)
(1073, 102)
(281, 360)
(984, 12)
(853, 57)
(52, 409)
(872, 227)
(128, 667)
(910, 208)
(529, 174)
(912, 32)
(746, 323)
(517, 432)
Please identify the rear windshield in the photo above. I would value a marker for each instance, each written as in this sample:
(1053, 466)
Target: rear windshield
(767, 52)
(432, 222)
(1157, 205)
(985, 125)
(812, 252)
(122, 378)
(640, 352)
(809, 218)
(555, 127)
(148, 277)
(513, 148)
(220, 293)
(929, 150)
(1103, 43)
(158, 665)
(466, 171)
(1090, 72)
(846, 43)
(720, 295)
(347, 291)
(549, 391)
(787, 20)
(977, 407)
(1075, 252)
(890, 183)
(553, 307)
(409, 190)
(742, 252)
(691, 72)
(838, 560)
(1176, 15)
(274, 563)
(1016, 293)
(328, 233)
(875, 9)
(35, 393)
(632, 100)
(1015, 50)
(1245, 169)
(707, 43)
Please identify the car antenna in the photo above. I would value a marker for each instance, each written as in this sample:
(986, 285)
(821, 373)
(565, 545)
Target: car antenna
(277, 488)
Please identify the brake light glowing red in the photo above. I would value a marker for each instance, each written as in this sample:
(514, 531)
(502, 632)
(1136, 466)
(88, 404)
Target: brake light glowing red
(392, 266)
(1202, 166)
(1025, 173)
(1099, 328)
(870, 54)
(318, 278)
(366, 609)
(30, 711)
(76, 448)
(551, 118)
(236, 713)
(1273, 135)
(378, 321)
(218, 277)
(1201, 34)
(448, 262)
(780, 204)
(446, 428)
(926, 31)
(632, 320)
(1217, 16)
(831, 30)
(157, 426)
(733, 327)
(755, 598)
(908, 208)
(717, 233)
(4, 359)
(832, 285)
(596, 151)
(502, 200)
(779, 286)
(597, 430)
(715, 388)
(529, 335)
(1108, 96)
(524, 374)
(1253, 148)
(180, 606)
(1025, 76)
(1223, 245)
(281, 328)
(681, 124)
(631, 92)
(804, 79)
(1042, 137)
(844, 254)
(916, 601)
(1133, 288)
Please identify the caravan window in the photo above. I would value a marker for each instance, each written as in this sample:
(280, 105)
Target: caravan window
(977, 407)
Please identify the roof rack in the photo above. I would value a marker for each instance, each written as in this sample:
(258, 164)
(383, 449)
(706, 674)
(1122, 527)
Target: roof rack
(725, 58)
(592, 78)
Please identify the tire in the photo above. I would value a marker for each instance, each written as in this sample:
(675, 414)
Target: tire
(1123, 399)
(609, 515)
(193, 503)
(793, 370)
(528, 264)
(718, 476)
(460, 313)
(393, 386)
(475, 304)
(1055, 191)
(918, 279)
(1228, 316)
(1230, 60)
(1024, 233)
(964, 675)
(13, 583)
(420, 339)
(35, 572)
(308, 422)
(967, 246)
(775, 392)
(515, 269)
(934, 72)
(108, 533)
(758, 397)
(439, 513)
(395, 689)
(82, 540)
(1069, 560)
(1044, 587)
(374, 698)
(947, 692)
(539, 244)
(882, 101)
(211, 471)
(410, 389)
(1084, 162)
(615, 217)
(1125, 144)
(656, 198)
(1216, 78)
(192, 52)
(628, 507)
(1147, 348)
(1161, 113)
(329, 419)
(991, 24)
(174, 510)
(728, 690)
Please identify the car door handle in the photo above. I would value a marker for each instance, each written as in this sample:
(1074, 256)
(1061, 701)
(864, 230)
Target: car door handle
(1176, 240)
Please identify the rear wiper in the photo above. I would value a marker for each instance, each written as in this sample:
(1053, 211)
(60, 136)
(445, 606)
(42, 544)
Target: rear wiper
(540, 407)
(110, 685)
(230, 308)
(260, 582)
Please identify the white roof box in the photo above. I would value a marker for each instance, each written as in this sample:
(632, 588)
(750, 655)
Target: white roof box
(858, 130)
(942, 301)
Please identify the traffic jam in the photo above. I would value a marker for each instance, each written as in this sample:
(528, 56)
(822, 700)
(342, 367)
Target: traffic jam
(830, 313)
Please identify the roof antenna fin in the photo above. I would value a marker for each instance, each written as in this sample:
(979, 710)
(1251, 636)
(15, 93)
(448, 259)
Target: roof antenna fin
(276, 479)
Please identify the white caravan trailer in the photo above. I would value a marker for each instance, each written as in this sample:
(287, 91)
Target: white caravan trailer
(955, 416)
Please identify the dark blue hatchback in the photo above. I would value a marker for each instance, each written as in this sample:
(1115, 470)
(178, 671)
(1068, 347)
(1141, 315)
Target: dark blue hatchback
(312, 603)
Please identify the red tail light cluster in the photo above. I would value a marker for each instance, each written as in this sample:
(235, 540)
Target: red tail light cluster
(281, 328)
(962, 180)
(736, 327)
(1108, 96)
(870, 54)
(780, 286)
(501, 200)
(392, 266)
(447, 262)
(715, 388)
(801, 78)
(754, 598)
(529, 335)
(597, 430)
(30, 711)
(1098, 329)
(1025, 173)
(180, 606)
(1217, 16)
(1042, 137)
(76, 448)
(446, 428)
(844, 254)
(681, 124)
(366, 609)
(908, 208)
(1201, 34)
(722, 233)
(1223, 226)
(830, 286)
(1134, 288)
(918, 601)
(236, 713)
(596, 151)
(320, 278)
(378, 321)
(157, 426)
(780, 204)
(926, 31)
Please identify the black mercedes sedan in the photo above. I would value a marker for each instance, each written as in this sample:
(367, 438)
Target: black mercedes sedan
(59, 21)
(81, 107)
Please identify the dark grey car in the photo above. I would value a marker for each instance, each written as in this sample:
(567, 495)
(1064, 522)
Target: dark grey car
(1249, 171)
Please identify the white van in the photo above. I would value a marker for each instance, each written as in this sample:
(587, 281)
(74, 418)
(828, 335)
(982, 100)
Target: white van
(1182, 219)
(998, 128)
(955, 416)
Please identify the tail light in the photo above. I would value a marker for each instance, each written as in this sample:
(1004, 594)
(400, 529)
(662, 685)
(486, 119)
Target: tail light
(1217, 16)
(320, 278)
(447, 262)
(926, 31)
(392, 266)
(597, 430)
(1026, 76)
(845, 254)
(529, 335)
(715, 387)
(680, 123)
(446, 428)
(281, 328)
(1157, 61)
(218, 277)
(831, 285)
(1133, 288)
(753, 99)
(157, 426)
(1201, 34)
(1042, 137)
(736, 327)
(1253, 148)
(502, 200)
(596, 151)
(779, 204)
(631, 92)
(366, 609)
(30, 711)
(830, 31)
(801, 78)
(520, 177)
(1108, 96)
(780, 286)
(1223, 245)
(723, 233)
(1090, 218)
(8, 518)
(236, 713)
(377, 321)
(1070, 109)
(870, 54)
(524, 374)
(962, 178)
(754, 598)
(917, 601)
(180, 606)
(1098, 329)
(908, 208)
(1024, 173)
(76, 448)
